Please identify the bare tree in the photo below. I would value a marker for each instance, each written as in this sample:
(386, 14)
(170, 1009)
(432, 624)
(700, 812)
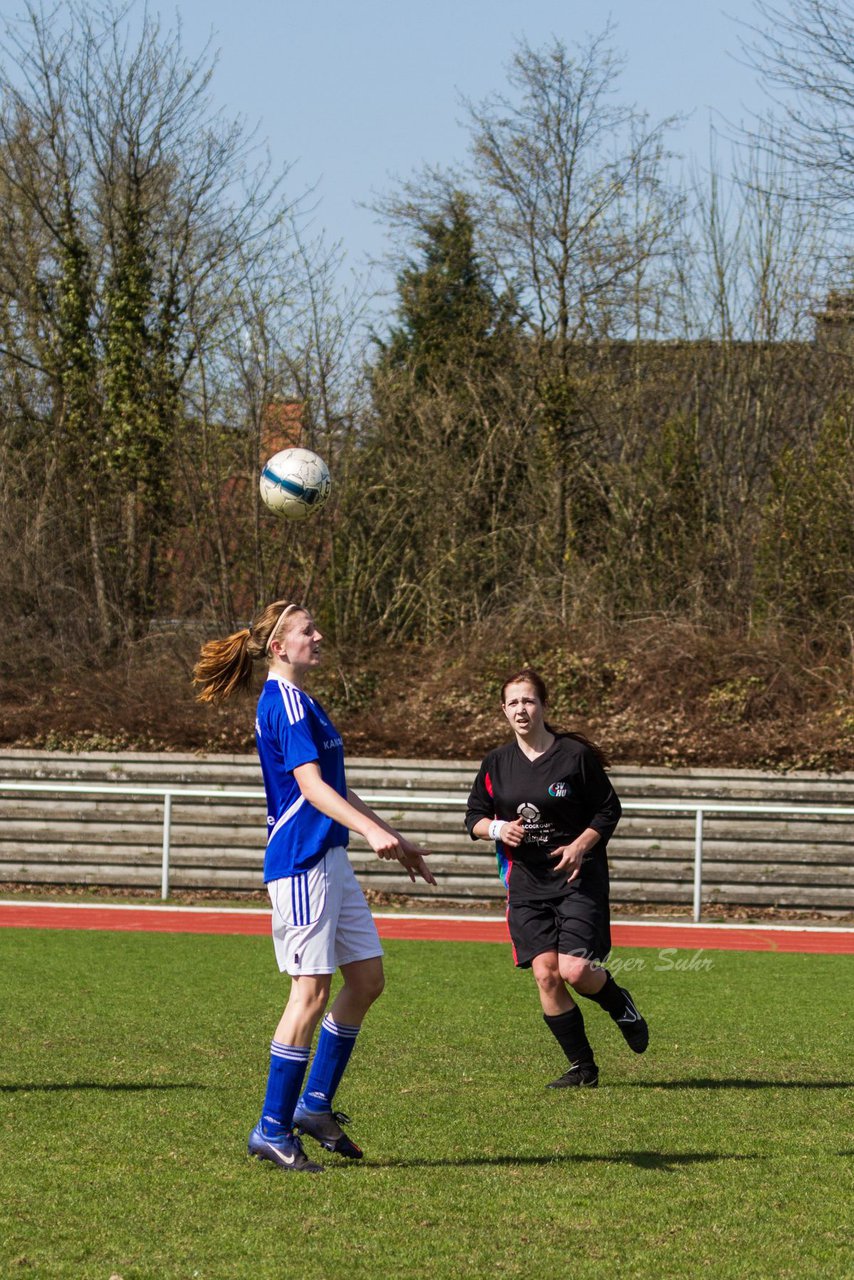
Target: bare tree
(804, 52)
(714, 411)
(575, 214)
(283, 368)
(135, 213)
(570, 190)
(576, 225)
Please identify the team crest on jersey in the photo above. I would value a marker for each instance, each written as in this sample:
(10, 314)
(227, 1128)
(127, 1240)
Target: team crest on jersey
(528, 812)
(558, 790)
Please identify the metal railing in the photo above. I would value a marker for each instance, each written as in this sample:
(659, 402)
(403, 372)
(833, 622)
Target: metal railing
(700, 808)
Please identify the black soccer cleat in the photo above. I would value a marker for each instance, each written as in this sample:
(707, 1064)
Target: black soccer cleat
(286, 1152)
(582, 1075)
(633, 1026)
(325, 1128)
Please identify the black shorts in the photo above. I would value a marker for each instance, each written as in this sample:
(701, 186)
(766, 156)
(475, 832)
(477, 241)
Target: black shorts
(575, 925)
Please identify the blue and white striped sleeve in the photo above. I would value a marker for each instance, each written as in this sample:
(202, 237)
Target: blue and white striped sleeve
(295, 736)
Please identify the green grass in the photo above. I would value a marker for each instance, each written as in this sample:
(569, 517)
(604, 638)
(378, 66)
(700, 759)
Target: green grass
(132, 1067)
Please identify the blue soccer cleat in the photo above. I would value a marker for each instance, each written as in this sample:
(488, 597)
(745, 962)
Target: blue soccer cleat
(286, 1152)
(325, 1128)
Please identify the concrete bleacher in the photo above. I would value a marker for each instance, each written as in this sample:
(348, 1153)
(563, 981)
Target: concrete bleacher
(798, 861)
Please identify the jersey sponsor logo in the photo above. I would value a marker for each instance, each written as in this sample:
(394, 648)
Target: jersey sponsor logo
(330, 743)
(528, 812)
(559, 789)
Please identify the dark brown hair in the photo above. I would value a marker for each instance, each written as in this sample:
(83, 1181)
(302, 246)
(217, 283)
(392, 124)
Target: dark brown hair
(529, 676)
(224, 666)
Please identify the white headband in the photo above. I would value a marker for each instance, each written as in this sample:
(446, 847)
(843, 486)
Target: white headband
(289, 608)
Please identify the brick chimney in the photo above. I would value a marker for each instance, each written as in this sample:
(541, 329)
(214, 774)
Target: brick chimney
(281, 427)
(834, 326)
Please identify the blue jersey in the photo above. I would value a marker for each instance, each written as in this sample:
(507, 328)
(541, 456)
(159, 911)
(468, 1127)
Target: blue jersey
(292, 729)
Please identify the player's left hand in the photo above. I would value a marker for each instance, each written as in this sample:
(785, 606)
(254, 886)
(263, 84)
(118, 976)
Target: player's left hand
(412, 859)
(569, 858)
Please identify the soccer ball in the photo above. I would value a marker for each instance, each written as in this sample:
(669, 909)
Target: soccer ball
(295, 483)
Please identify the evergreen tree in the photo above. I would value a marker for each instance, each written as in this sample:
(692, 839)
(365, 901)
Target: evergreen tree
(448, 312)
(444, 446)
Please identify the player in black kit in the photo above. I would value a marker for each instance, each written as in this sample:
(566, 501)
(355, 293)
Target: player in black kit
(546, 801)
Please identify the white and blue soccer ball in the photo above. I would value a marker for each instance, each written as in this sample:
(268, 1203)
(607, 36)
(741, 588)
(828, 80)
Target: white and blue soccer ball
(295, 483)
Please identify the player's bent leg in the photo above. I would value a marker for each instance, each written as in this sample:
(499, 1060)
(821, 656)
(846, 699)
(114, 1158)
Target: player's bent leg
(363, 984)
(633, 1026)
(313, 1114)
(618, 1003)
(582, 975)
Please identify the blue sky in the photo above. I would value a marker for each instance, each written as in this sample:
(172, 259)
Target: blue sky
(355, 92)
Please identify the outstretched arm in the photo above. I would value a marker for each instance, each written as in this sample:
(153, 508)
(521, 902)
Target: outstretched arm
(409, 854)
(355, 814)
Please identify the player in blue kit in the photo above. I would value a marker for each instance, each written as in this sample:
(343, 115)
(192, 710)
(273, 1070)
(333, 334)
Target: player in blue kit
(321, 921)
(546, 801)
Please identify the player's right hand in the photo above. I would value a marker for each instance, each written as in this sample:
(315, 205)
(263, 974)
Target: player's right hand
(385, 844)
(513, 833)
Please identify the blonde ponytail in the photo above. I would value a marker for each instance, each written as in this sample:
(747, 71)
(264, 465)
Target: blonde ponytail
(225, 666)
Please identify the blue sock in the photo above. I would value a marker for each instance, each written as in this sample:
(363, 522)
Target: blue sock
(287, 1069)
(334, 1046)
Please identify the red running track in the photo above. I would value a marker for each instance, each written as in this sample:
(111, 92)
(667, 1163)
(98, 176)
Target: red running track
(815, 941)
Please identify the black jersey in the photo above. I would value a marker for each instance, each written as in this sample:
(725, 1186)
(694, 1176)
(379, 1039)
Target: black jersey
(557, 796)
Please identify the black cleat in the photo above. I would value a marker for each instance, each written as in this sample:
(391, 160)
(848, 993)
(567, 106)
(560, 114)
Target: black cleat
(286, 1152)
(633, 1026)
(583, 1075)
(325, 1128)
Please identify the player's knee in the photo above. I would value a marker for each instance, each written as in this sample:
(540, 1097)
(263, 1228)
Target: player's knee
(365, 983)
(576, 972)
(371, 985)
(310, 998)
(548, 978)
(377, 986)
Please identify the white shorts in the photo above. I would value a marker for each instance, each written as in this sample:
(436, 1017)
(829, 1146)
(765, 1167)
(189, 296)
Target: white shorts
(321, 919)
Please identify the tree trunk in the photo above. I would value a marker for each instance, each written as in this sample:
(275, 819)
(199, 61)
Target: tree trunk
(104, 621)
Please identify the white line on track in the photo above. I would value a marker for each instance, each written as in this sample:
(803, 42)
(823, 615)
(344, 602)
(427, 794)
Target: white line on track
(129, 906)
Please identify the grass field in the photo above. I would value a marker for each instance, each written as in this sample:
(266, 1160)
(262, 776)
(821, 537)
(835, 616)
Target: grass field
(132, 1067)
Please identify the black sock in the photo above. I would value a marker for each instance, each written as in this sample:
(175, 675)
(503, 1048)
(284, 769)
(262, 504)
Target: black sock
(568, 1030)
(610, 997)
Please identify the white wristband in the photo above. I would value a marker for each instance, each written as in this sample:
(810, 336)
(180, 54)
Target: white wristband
(495, 828)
